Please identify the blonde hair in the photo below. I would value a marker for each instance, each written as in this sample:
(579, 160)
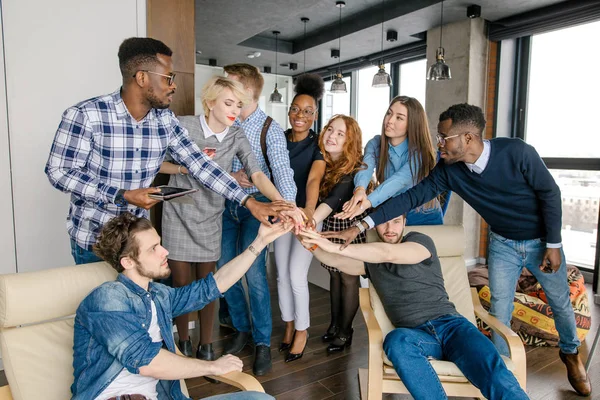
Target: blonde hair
(213, 88)
(249, 75)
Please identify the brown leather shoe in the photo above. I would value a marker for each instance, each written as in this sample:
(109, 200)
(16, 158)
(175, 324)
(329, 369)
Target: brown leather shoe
(578, 378)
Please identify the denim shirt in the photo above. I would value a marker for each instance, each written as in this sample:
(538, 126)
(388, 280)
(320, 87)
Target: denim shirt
(111, 331)
(398, 179)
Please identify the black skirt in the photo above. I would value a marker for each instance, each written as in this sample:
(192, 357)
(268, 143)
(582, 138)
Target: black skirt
(335, 224)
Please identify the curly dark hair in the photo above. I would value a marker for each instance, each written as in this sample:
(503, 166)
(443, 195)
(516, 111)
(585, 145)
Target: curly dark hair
(117, 239)
(138, 53)
(465, 114)
(311, 85)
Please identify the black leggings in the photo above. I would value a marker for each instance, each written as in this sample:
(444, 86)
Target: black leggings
(343, 292)
(181, 274)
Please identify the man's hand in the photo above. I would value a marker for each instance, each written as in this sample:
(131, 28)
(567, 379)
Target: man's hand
(551, 261)
(358, 204)
(140, 198)
(262, 211)
(226, 364)
(268, 234)
(297, 216)
(242, 178)
(348, 235)
(309, 238)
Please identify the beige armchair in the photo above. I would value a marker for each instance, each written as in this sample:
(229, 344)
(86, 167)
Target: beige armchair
(380, 377)
(36, 331)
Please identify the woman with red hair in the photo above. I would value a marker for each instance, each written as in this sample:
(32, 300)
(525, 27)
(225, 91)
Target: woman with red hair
(340, 142)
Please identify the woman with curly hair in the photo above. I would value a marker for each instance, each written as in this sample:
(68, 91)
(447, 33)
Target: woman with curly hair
(341, 145)
(292, 259)
(401, 157)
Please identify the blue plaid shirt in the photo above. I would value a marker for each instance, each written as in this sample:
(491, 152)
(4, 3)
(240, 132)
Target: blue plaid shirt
(277, 152)
(100, 148)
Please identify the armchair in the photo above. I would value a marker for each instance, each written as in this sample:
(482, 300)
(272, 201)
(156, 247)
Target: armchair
(380, 377)
(36, 331)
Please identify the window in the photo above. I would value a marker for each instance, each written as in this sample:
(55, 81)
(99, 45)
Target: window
(563, 96)
(555, 103)
(372, 103)
(412, 80)
(335, 103)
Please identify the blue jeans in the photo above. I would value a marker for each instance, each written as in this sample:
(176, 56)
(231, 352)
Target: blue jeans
(450, 338)
(241, 396)
(240, 229)
(81, 255)
(506, 260)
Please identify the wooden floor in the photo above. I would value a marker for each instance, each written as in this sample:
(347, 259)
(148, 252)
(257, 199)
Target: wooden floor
(321, 376)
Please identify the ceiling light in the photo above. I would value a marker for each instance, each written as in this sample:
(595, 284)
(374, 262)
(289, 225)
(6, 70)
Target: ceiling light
(275, 96)
(382, 78)
(338, 85)
(439, 71)
(254, 54)
(304, 21)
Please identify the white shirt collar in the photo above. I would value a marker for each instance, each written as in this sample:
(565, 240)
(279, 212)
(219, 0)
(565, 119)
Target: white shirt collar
(479, 165)
(208, 132)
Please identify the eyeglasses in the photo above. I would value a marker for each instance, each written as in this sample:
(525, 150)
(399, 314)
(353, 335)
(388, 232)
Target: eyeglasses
(307, 113)
(170, 77)
(442, 139)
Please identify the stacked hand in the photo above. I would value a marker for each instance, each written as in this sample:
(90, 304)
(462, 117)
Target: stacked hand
(268, 234)
(262, 211)
(311, 239)
(296, 216)
(358, 204)
(348, 235)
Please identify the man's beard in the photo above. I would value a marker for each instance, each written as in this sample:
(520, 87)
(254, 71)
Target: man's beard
(385, 240)
(154, 102)
(152, 275)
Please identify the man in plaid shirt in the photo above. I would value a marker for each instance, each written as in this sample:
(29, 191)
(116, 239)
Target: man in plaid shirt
(108, 149)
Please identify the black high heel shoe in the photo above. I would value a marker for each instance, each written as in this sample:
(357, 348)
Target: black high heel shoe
(283, 346)
(331, 334)
(293, 356)
(340, 343)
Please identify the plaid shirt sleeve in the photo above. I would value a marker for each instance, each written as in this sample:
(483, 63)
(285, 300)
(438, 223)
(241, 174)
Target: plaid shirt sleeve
(279, 157)
(70, 151)
(206, 171)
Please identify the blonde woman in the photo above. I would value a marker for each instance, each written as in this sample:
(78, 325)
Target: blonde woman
(192, 232)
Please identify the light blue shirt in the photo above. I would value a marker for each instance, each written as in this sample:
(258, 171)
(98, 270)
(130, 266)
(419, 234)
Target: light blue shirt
(276, 151)
(398, 176)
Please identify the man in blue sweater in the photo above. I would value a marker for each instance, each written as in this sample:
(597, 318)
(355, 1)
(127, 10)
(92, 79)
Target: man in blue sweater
(507, 183)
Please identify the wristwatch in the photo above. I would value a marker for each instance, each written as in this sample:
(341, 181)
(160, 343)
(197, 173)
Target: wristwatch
(120, 198)
(360, 226)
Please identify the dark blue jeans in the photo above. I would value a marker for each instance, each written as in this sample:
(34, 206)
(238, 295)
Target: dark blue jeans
(451, 338)
(239, 231)
(81, 255)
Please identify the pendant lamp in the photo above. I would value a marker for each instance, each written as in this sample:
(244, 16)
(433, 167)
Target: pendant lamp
(275, 96)
(382, 78)
(439, 71)
(338, 85)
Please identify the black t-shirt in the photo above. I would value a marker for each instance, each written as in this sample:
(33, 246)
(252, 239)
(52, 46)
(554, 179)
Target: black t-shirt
(340, 193)
(412, 294)
(302, 156)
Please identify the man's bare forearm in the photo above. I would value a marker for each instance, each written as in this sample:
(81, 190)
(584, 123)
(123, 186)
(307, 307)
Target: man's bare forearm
(347, 265)
(233, 271)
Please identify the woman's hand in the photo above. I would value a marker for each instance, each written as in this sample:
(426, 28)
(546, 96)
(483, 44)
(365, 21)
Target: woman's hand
(297, 217)
(356, 205)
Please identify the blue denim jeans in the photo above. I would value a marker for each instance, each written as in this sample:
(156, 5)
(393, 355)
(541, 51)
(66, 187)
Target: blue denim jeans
(506, 260)
(81, 255)
(451, 338)
(239, 231)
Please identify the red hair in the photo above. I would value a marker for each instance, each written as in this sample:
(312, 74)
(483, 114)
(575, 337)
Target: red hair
(351, 159)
